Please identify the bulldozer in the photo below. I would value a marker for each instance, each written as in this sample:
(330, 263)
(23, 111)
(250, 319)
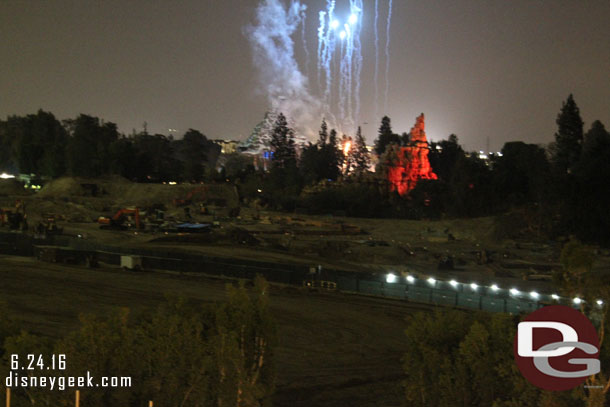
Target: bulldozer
(120, 220)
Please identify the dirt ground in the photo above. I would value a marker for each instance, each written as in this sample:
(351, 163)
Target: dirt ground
(372, 245)
(335, 349)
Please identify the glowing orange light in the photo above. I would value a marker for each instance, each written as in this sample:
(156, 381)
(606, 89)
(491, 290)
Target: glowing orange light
(347, 147)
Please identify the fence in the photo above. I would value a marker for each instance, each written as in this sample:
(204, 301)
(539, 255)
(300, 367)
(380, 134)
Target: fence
(448, 297)
(415, 290)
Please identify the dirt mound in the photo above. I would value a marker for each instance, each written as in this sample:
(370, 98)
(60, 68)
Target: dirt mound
(145, 195)
(64, 187)
(11, 187)
(65, 211)
(91, 197)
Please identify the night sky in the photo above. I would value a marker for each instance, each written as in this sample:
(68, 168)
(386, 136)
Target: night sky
(496, 69)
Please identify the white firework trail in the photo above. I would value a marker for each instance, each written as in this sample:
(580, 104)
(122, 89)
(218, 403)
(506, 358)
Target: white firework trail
(347, 72)
(376, 80)
(387, 57)
(357, 10)
(304, 39)
(341, 95)
(339, 64)
(321, 44)
(330, 40)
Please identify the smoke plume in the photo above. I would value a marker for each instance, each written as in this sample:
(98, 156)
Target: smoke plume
(280, 77)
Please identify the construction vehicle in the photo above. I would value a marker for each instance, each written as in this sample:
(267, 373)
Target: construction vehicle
(120, 220)
(4, 213)
(49, 223)
(14, 217)
(318, 279)
(199, 192)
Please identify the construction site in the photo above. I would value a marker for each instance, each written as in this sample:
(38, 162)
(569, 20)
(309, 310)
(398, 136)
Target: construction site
(210, 221)
(88, 245)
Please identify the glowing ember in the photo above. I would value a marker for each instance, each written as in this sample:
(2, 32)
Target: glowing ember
(412, 161)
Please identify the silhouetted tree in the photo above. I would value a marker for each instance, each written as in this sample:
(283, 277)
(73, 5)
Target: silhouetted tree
(444, 155)
(123, 158)
(7, 155)
(34, 144)
(361, 156)
(521, 173)
(238, 167)
(192, 152)
(282, 144)
(311, 164)
(568, 138)
(333, 156)
(323, 133)
(386, 136)
(587, 214)
(88, 148)
(155, 159)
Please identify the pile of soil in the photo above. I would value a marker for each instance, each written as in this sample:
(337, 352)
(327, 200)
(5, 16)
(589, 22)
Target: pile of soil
(64, 187)
(123, 192)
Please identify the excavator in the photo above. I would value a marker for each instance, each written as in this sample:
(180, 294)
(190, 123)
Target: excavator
(118, 220)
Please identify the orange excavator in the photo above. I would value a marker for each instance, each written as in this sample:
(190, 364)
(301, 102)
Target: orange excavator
(197, 192)
(118, 220)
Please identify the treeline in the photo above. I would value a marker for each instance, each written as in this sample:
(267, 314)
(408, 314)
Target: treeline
(545, 192)
(458, 358)
(179, 355)
(89, 147)
(455, 358)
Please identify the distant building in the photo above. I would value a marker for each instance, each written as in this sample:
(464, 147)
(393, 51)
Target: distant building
(227, 146)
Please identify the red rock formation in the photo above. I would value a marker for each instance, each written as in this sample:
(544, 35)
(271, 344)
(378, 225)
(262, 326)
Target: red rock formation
(411, 162)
